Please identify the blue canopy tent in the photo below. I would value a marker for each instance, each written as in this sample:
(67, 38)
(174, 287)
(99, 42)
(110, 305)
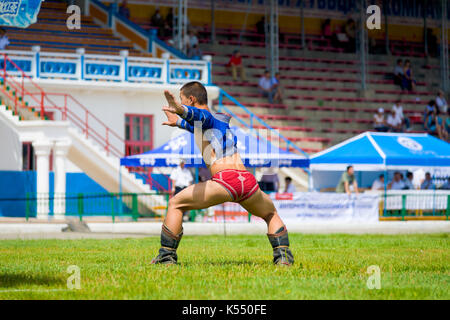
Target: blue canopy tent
(373, 151)
(253, 151)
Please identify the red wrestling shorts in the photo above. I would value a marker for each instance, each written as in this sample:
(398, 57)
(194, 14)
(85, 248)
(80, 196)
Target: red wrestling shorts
(241, 184)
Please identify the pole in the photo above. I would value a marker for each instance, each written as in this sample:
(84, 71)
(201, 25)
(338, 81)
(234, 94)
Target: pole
(425, 33)
(362, 38)
(444, 47)
(302, 17)
(386, 26)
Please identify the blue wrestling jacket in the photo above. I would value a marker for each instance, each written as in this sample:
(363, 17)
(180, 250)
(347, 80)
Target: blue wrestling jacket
(215, 128)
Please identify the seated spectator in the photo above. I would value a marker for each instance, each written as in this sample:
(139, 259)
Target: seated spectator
(394, 123)
(379, 183)
(446, 185)
(166, 31)
(433, 123)
(427, 184)
(430, 107)
(408, 82)
(409, 181)
(441, 102)
(398, 73)
(265, 86)
(123, 9)
(195, 53)
(397, 183)
(235, 66)
(347, 183)
(326, 30)
(397, 109)
(339, 39)
(4, 41)
(269, 181)
(277, 88)
(193, 40)
(379, 123)
(289, 186)
(350, 31)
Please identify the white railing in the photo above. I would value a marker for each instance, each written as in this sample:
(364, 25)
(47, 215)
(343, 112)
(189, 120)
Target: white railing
(120, 68)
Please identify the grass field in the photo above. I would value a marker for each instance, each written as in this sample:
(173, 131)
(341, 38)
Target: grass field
(235, 267)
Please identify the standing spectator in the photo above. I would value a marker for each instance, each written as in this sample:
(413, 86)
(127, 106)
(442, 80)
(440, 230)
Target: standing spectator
(269, 181)
(427, 184)
(441, 102)
(409, 181)
(157, 20)
(169, 18)
(397, 109)
(446, 131)
(181, 178)
(379, 123)
(398, 73)
(235, 66)
(379, 183)
(261, 26)
(276, 87)
(394, 122)
(347, 183)
(397, 183)
(265, 86)
(123, 9)
(289, 186)
(433, 123)
(326, 30)
(408, 82)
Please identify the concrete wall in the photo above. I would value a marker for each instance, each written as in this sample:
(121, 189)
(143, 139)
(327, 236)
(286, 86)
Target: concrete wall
(10, 148)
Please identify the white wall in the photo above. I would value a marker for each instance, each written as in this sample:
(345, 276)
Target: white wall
(10, 148)
(111, 101)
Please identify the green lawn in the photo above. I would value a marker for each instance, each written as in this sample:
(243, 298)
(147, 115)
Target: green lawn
(232, 267)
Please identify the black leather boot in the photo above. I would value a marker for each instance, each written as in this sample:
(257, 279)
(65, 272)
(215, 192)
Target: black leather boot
(280, 244)
(169, 244)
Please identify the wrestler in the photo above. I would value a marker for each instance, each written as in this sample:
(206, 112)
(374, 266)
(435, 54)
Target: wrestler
(230, 182)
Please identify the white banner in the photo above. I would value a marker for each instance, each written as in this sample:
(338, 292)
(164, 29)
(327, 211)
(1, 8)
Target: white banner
(314, 206)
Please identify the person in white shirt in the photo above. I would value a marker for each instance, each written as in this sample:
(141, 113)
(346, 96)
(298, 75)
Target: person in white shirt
(397, 183)
(409, 181)
(441, 102)
(394, 122)
(379, 183)
(4, 41)
(289, 186)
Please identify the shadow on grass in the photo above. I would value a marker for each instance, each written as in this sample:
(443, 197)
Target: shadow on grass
(10, 280)
(223, 263)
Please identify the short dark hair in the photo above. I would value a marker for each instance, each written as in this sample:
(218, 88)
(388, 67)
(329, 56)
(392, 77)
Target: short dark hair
(197, 90)
(409, 174)
(288, 179)
(348, 167)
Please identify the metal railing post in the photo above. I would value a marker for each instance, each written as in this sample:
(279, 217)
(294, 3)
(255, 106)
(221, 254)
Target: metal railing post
(403, 206)
(135, 207)
(447, 212)
(80, 201)
(112, 207)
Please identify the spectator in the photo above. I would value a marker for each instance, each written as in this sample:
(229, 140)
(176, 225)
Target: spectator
(195, 53)
(408, 82)
(339, 39)
(430, 107)
(398, 73)
(169, 18)
(446, 185)
(193, 40)
(181, 178)
(427, 184)
(397, 109)
(157, 20)
(347, 183)
(166, 31)
(276, 87)
(265, 86)
(397, 183)
(350, 31)
(235, 66)
(123, 9)
(289, 186)
(4, 41)
(379, 123)
(326, 30)
(204, 174)
(441, 102)
(378, 184)
(394, 123)
(433, 123)
(409, 181)
(269, 181)
(261, 26)
(432, 43)
(446, 131)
